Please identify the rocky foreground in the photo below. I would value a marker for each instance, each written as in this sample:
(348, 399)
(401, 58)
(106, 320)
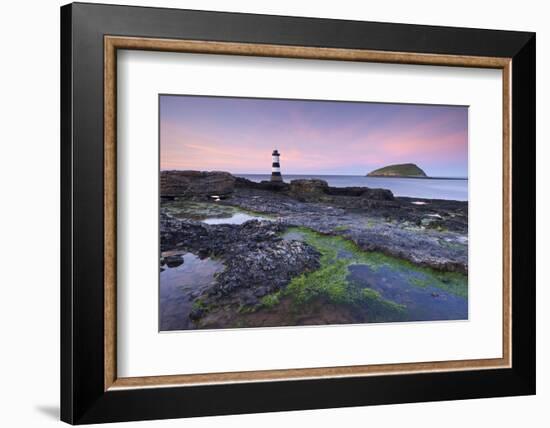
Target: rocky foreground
(259, 261)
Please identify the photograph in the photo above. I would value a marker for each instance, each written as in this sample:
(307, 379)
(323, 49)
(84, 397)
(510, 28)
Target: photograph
(290, 212)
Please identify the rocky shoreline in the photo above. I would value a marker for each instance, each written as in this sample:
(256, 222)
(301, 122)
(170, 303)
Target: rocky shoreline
(259, 262)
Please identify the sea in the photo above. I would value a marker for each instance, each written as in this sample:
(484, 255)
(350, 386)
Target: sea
(449, 188)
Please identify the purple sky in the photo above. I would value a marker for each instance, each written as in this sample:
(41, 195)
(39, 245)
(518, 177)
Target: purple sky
(313, 137)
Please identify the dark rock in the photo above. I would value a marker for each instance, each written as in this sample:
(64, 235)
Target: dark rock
(308, 189)
(178, 234)
(257, 261)
(173, 261)
(392, 227)
(275, 186)
(269, 265)
(196, 184)
(346, 191)
(196, 314)
(249, 301)
(261, 291)
(378, 194)
(432, 221)
(364, 192)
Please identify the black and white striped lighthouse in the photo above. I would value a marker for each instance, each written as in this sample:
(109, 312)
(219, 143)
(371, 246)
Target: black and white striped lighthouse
(276, 167)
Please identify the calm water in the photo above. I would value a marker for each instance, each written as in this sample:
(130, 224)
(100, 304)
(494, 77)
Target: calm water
(433, 188)
(422, 303)
(237, 218)
(180, 286)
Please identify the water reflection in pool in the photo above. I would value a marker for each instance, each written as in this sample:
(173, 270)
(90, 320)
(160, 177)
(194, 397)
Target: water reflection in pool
(423, 303)
(236, 218)
(179, 286)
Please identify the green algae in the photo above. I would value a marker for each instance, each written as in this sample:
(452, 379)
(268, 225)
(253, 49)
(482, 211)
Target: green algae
(329, 283)
(341, 228)
(330, 279)
(452, 282)
(271, 300)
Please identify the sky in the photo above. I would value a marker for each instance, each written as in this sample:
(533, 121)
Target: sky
(313, 137)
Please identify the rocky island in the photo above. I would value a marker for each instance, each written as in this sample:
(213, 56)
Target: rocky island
(404, 170)
(240, 253)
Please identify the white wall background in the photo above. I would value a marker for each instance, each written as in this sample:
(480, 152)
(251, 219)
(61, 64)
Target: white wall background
(29, 214)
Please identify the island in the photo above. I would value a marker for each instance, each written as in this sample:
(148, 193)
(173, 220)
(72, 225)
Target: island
(399, 170)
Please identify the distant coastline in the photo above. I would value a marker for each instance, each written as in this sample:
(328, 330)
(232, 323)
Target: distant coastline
(256, 174)
(449, 188)
(435, 177)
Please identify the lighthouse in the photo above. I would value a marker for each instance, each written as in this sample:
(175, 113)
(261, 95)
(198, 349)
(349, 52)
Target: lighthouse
(276, 167)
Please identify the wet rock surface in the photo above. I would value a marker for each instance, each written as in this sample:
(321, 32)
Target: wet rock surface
(311, 189)
(363, 192)
(316, 190)
(432, 234)
(172, 261)
(180, 287)
(274, 186)
(196, 183)
(258, 262)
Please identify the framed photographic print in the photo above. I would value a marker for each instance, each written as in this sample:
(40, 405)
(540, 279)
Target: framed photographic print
(265, 213)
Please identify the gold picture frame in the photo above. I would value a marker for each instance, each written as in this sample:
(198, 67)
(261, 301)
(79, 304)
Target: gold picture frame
(114, 43)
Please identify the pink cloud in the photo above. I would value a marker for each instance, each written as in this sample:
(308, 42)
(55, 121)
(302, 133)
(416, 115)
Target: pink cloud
(306, 148)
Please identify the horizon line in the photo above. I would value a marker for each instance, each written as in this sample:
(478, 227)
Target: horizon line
(321, 174)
